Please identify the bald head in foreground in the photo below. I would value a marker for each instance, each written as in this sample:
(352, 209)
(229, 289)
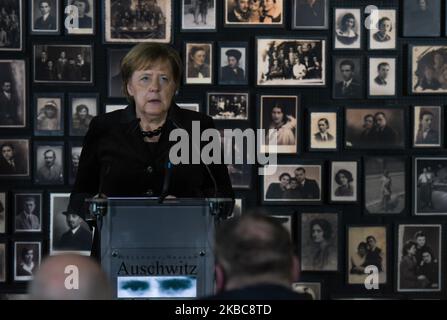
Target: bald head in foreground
(56, 272)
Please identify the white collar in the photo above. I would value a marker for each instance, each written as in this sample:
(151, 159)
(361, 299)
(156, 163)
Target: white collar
(75, 230)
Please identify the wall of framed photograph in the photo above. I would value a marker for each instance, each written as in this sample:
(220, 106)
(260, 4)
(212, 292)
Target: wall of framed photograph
(357, 102)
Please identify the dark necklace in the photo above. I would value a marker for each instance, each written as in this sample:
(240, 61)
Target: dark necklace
(151, 134)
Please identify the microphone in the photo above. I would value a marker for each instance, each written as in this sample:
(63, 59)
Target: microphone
(166, 182)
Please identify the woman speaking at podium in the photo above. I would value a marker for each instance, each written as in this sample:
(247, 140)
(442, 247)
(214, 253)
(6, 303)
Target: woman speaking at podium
(126, 152)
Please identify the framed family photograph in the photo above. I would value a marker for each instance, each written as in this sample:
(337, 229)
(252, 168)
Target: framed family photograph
(28, 212)
(243, 13)
(296, 183)
(290, 62)
(344, 181)
(383, 35)
(114, 107)
(199, 15)
(347, 28)
(131, 22)
(279, 117)
(384, 185)
(367, 246)
(4, 208)
(319, 242)
(82, 107)
(382, 77)
(422, 18)
(11, 33)
(27, 256)
(2, 262)
(310, 14)
(233, 63)
(45, 17)
(199, 63)
(13, 102)
(429, 183)
(312, 289)
(323, 131)
(80, 15)
(49, 163)
(419, 258)
(14, 158)
(63, 64)
(115, 82)
(227, 106)
(73, 161)
(428, 131)
(375, 128)
(348, 77)
(49, 114)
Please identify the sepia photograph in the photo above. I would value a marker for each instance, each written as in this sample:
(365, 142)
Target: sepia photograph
(347, 28)
(370, 128)
(3, 210)
(27, 257)
(199, 15)
(367, 246)
(2, 262)
(63, 64)
(383, 35)
(193, 106)
(80, 15)
(13, 82)
(49, 114)
(11, 30)
(293, 183)
(419, 258)
(344, 181)
(49, 163)
(427, 126)
(430, 181)
(290, 62)
(428, 69)
(348, 78)
(45, 17)
(279, 119)
(385, 185)
(319, 242)
(323, 130)
(227, 106)
(310, 14)
(199, 63)
(312, 289)
(73, 164)
(83, 107)
(134, 21)
(382, 77)
(114, 107)
(27, 212)
(115, 82)
(233, 64)
(422, 18)
(14, 158)
(68, 231)
(268, 13)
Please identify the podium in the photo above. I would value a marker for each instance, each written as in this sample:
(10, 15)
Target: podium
(153, 250)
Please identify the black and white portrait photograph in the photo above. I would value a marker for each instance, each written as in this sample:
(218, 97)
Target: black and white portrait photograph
(422, 18)
(2, 262)
(233, 64)
(382, 77)
(49, 114)
(134, 21)
(45, 16)
(199, 63)
(199, 15)
(3, 210)
(312, 289)
(419, 258)
(73, 164)
(11, 30)
(267, 13)
(27, 257)
(348, 78)
(428, 69)
(344, 181)
(193, 106)
(347, 28)
(427, 126)
(27, 212)
(113, 107)
(49, 163)
(370, 128)
(81, 16)
(227, 106)
(63, 64)
(14, 158)
(83, 107)
(383, 35)
(293, 183)
(366, 246)
(323, 130)
(115, 82)
(68, 231)
(13, 93)
(290, 62)
(430, 181)
(385, 185)
(319, 242)
(310, 14)
(279, 119)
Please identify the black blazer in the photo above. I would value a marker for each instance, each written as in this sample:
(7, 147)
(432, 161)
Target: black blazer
(310, 190)
(117, 162)
(260, 292)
